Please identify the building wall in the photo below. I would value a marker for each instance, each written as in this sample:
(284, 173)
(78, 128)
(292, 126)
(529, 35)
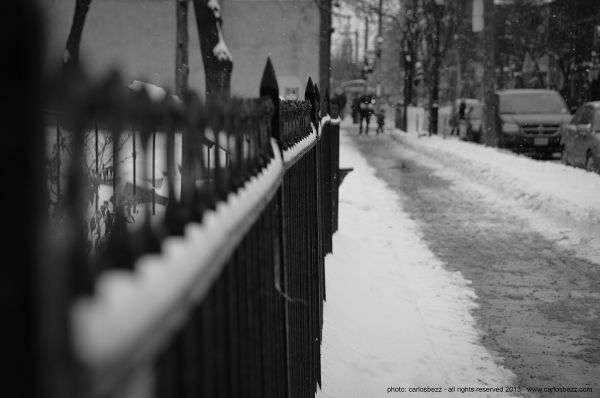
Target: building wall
(285, 30)
(138, 37)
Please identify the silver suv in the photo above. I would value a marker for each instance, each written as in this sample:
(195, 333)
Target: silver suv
(528, 120)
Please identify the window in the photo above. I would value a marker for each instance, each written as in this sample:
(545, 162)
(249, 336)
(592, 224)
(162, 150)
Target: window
(291, 93)
(532, 102)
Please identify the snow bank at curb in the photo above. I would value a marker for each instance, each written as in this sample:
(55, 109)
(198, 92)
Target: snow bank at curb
(394, 317)
(564, 194)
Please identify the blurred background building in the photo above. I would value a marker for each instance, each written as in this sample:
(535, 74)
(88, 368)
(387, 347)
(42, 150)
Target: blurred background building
(139, 37)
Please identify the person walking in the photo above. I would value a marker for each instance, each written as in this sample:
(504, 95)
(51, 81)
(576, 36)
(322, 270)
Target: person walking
(380, 120)
(367, 106)
(458, 117)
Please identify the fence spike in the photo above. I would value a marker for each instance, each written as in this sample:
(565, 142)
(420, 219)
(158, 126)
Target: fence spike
(268, 84)
(309, 95)
(270, 88)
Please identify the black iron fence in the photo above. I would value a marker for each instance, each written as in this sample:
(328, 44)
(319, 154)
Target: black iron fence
(182, 249)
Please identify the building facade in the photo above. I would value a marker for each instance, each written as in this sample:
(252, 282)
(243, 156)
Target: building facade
(139, 37)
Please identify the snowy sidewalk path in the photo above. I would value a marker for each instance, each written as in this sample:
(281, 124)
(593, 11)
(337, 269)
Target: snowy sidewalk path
(394, 317)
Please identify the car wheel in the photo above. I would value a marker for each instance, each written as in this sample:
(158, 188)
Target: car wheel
(563, 156)
(589, 163)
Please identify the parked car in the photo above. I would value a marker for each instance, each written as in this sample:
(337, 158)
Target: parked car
(580, 138)
(528, 120)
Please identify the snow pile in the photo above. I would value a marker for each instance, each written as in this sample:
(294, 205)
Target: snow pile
(129, 305)
(155, 92)
(565, 194)
(394, 317)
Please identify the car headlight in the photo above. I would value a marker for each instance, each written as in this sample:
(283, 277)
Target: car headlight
(510, 128)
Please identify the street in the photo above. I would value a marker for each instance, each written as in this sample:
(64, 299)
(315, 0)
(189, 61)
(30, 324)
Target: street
(537, 300)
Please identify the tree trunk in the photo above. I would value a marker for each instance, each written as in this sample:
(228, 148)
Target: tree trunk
(71, 55)
(181, 49)
(434, 93)
(217, 60)
(489, 77)
(324, 49)
(408, 81)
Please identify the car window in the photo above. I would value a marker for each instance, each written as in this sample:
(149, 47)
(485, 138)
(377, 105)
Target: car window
(528, 102)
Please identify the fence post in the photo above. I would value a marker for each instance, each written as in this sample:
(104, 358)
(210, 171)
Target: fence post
(25, 346)
(270, 88)
(335, 169)
(309, 95)
(318, 102)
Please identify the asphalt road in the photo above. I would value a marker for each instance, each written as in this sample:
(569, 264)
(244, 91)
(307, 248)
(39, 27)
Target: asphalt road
(538, 305)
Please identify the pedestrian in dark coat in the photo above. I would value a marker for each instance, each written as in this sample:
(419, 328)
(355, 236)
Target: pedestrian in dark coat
(380, 120)
(367, 108)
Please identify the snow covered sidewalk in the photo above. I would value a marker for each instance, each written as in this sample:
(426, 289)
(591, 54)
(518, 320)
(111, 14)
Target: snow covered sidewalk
(395, 319)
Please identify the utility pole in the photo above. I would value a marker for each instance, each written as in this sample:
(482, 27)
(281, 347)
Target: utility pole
(366, 36)
(324, 49)
(181, 48)
(379, 45)
(356, 59)
(489, 76)
(437, 58)
(380, 17)
(459, 67)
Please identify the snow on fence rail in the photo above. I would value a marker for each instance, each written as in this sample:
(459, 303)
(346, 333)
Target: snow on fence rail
(216, 291)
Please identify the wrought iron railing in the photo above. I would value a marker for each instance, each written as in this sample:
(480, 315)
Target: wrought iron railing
(186, 244)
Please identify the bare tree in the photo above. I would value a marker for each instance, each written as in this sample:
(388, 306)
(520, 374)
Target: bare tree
(218, 62)
(71, 55)
(523, 29)
(103, 157)
(441, 19)
(411, 37)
